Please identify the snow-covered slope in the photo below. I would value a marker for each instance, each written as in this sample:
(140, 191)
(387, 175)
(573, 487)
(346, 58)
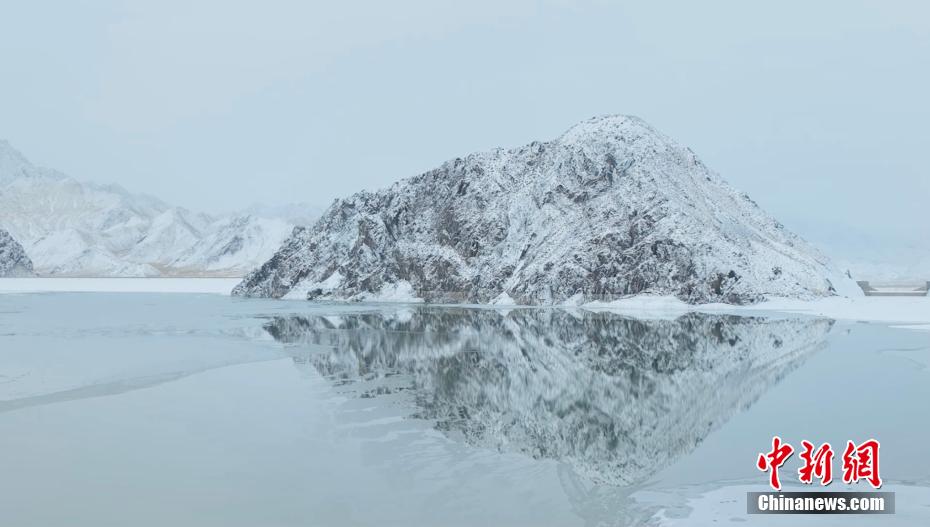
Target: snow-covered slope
(611, 208)
(236, 242)
(73, 228)
(13, 259)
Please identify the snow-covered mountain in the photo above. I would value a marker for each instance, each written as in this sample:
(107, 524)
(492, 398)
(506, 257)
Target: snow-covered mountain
(885, 257)
(611, 208)
(74, 228)
(236, 242)
(293, 213)
(13, 259)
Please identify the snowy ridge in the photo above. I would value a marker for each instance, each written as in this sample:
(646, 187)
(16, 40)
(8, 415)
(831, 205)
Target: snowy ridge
(612, 208)
(13, 259)
(71, 228)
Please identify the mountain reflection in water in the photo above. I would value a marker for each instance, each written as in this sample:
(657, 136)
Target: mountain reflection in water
(615, 398)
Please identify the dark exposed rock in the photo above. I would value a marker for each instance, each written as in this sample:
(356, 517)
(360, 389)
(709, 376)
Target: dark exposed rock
(13, 259)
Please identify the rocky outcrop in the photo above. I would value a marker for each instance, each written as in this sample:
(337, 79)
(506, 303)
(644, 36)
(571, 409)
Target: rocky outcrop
(611, 208)
(13, 259)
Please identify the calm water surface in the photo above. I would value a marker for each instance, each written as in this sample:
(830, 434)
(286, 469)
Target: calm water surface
(173, 409)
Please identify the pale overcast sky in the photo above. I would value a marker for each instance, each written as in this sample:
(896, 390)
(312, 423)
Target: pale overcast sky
(819, 110)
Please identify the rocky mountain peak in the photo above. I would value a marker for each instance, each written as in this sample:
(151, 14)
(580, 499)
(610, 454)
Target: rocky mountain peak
(611, 208)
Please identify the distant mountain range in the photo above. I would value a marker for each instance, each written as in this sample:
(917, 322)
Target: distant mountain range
(611, 208)
(873, 256)
(73, 228)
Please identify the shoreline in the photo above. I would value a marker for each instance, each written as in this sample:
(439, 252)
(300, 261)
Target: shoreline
(194, 285)
(904, 311)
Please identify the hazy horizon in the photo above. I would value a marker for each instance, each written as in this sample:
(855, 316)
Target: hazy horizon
(817, 111)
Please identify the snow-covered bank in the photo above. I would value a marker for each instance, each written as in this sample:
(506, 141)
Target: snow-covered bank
(912, 312)
(909, 310)
(221, 286)
(901, 310)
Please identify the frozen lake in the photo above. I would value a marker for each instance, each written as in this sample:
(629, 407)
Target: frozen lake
(199, 409)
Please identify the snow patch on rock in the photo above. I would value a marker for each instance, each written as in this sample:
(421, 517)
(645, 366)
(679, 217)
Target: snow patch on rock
(400, 292)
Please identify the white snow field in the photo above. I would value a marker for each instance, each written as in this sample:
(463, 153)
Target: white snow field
(907, 311)
(221, 286)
